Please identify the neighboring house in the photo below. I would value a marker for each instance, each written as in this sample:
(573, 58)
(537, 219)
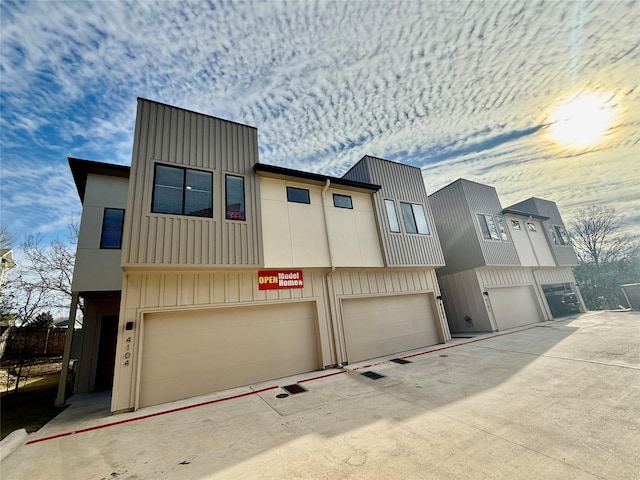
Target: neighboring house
(6, 263)
(231, 272)
(504, 267)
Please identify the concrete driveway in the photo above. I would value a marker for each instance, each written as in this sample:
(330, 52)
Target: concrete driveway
(554, 400)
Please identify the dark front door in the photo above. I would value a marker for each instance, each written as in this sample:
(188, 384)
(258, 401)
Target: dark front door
(106, 352)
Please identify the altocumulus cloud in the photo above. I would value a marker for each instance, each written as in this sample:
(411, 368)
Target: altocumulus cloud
(460, 89)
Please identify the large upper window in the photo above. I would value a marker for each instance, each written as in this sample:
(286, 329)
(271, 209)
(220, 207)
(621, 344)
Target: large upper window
(488, 227)
(563, 238)
(112, 223)
(392, 216)
(501, 228)
(415, 221)
(182, 191)
(298, 195)
(234, 209)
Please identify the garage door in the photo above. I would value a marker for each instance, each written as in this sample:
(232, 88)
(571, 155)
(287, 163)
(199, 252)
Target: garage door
(514, 306)
(380, 326)
(190, 353)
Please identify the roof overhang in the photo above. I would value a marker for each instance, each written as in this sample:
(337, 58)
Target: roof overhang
(510, 211)
(81, 168)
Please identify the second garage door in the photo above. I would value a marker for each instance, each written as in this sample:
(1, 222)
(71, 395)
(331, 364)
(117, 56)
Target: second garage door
(377, 326)
(514, 306)
(189, 353)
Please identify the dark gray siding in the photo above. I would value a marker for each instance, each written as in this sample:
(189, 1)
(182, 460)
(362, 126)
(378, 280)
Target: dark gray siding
(564, 255)
(173, 136)
(400, 183)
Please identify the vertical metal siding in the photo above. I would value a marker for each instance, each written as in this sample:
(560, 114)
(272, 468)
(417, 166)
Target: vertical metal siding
(171, 135)
(400, 183)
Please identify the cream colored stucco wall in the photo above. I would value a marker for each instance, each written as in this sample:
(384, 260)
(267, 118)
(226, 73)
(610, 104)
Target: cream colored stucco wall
(294, 234)
(147, 292)
(98, 269)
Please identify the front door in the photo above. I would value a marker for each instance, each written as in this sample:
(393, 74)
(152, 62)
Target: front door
(106, 352)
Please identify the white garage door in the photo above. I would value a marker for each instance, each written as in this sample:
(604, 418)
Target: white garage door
(384, 325)
(190, 353)
(514, 306)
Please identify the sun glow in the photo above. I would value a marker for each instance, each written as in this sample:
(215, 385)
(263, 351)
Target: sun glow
(582, 121)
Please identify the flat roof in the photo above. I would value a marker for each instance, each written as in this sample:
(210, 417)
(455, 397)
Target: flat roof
(81, 168)
(520, 213)
(284, 173)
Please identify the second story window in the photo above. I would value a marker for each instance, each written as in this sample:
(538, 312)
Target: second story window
(488, 227)
(112, 223)
(234, 209)
(562, 236)
(342, 201)
(415, 221)
(298, 195)
(182, 191)
(392, 216)
(501, 228)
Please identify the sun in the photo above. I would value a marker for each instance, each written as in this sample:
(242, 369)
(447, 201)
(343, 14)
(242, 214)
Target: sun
(583, 120)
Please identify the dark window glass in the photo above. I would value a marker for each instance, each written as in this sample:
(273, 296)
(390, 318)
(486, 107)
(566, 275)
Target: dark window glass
(342, 201)
(407, 217)
(234, 198)
(182, 191)
(298, 195)
(414, 218)
(552, 234)
(112, 224)
(392, 216)
(488, 227)
(562, 235)
(515, 224)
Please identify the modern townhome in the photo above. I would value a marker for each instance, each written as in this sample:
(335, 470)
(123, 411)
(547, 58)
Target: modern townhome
(208, 270)
(504, 267)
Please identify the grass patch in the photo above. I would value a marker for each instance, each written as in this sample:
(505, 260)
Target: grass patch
(32, 407)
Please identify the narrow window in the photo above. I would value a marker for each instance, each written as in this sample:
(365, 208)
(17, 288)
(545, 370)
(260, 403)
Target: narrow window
(234, 200)
(342, 201)
(531, 226)
(414, 218)
(182, 191)
(552, 234)
(488, 227)
(515, 224)
(562, 235)
(112, 224)
(298, 195)
(392, 216)
(501, 228)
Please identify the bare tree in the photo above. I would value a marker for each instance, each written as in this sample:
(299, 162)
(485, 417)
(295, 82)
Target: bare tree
(6, 239)
(597, 237)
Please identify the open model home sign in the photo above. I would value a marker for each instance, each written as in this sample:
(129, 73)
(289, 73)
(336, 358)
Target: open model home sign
(277, 279)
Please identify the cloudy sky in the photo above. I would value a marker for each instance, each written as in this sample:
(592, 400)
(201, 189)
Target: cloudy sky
(475, 90)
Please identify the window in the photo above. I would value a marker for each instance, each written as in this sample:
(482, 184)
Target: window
(182, 191)
(488, 227)
(552, 234)
(234, 198)
(515, 224)
(342, 201)
(501, 228)
(531, 226)
(562, 235)
(112, 224)
(414, 218)
(392, 216)
(298, 195)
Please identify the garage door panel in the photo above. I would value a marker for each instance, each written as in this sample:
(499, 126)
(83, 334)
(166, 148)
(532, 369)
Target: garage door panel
(514, 306)
(377, 326)
(187, 354)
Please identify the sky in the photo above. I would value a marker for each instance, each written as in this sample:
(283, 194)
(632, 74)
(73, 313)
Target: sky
(473, 90)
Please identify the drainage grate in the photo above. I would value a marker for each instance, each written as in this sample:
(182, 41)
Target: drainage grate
(294, 388)
(372, 375)
(401, 361)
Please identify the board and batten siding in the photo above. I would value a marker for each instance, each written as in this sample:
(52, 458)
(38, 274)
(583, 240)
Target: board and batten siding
(400, 183)
(151, 291)
(176, 137)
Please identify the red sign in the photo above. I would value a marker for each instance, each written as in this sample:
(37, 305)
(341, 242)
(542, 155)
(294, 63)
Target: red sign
(278, 279)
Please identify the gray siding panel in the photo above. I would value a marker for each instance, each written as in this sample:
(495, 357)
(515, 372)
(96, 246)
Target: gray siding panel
(401, 183)
(170, 135)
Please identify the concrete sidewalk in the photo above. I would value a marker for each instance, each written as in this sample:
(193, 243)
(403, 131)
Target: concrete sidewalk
(555, 400)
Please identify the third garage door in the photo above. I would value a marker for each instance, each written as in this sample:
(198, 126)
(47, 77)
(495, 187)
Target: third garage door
(514, 306)
(377, 326)
(189, 353)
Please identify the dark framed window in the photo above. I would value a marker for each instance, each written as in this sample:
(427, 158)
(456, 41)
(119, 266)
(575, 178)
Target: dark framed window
(515, 224)
(488, 227)
(501, 228)
(552, 234)
(182, 191)
(531, 226)
(112, 224)
(298, 195)
(234, 198)
(415, 221)
(563, 238)
(392, 216)
(342, 201)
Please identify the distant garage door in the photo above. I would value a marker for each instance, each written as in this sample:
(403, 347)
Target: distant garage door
(514, 306)
(190, 353)
(378, 326)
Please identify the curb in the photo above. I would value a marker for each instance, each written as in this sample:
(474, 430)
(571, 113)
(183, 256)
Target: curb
(11, 442)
